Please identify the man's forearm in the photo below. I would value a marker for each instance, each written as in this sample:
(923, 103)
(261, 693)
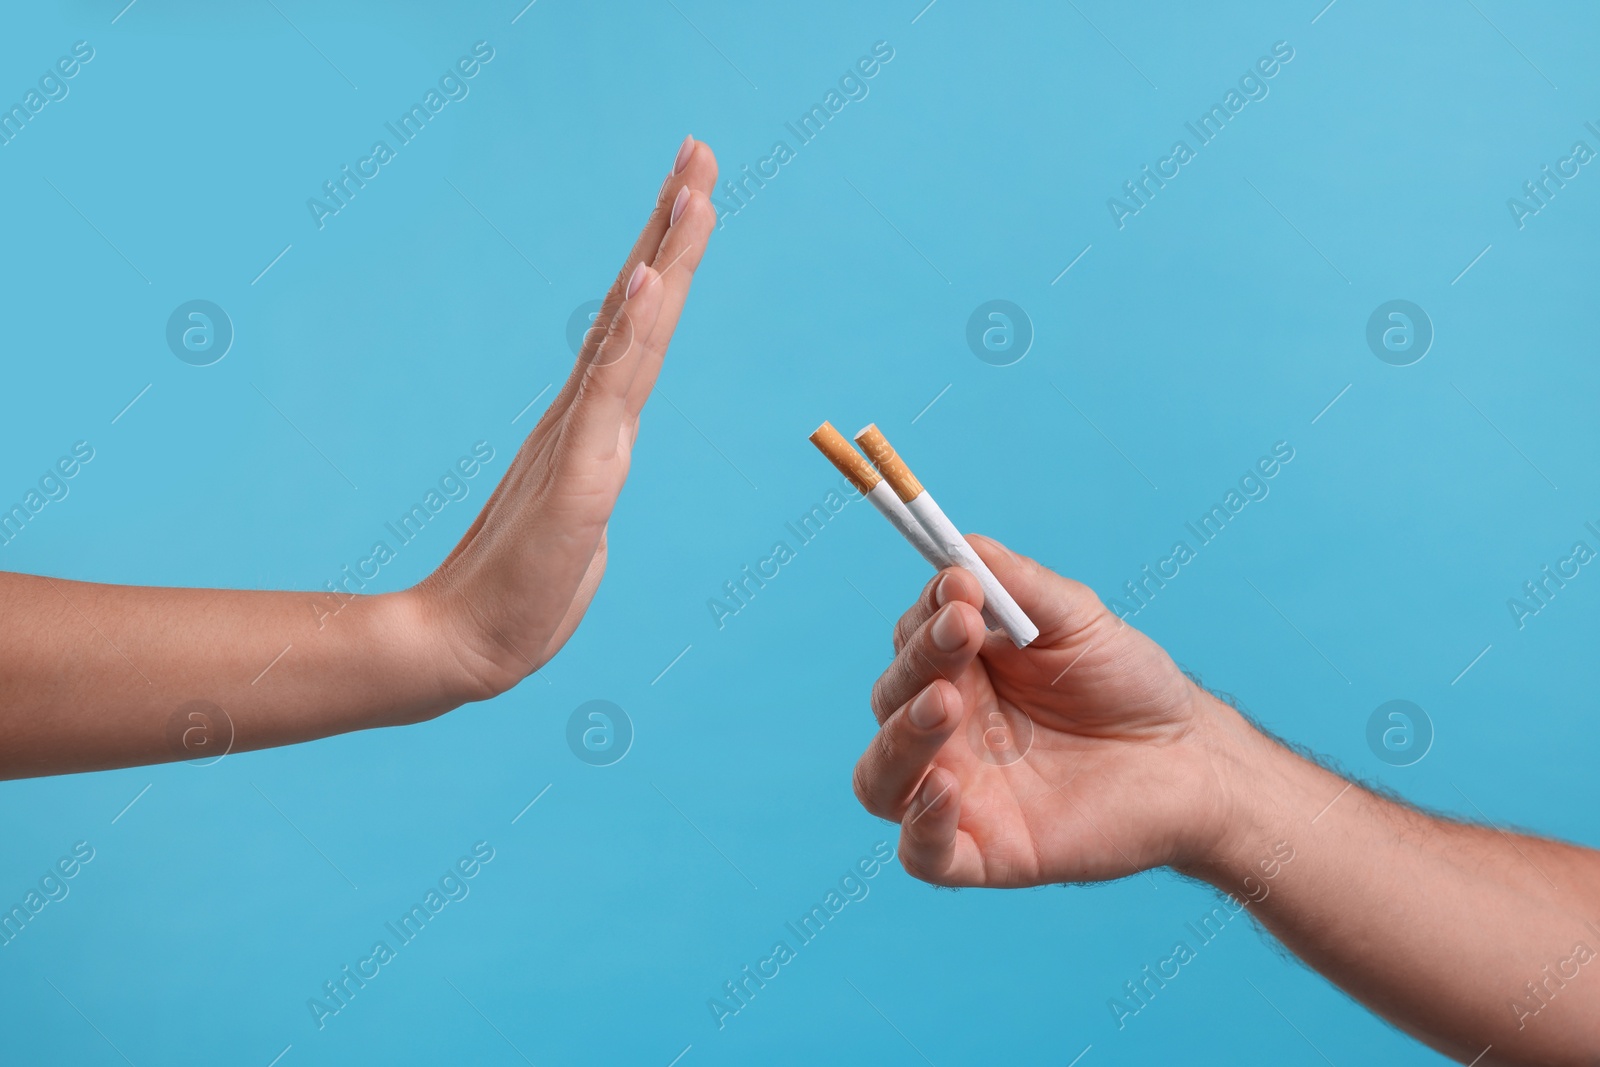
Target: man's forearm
(1464, 936)
(98, 676)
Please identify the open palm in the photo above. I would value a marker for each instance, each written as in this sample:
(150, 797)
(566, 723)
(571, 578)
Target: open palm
(519, 582)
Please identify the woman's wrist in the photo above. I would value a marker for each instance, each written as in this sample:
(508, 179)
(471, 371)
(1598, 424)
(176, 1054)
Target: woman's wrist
(419, 653)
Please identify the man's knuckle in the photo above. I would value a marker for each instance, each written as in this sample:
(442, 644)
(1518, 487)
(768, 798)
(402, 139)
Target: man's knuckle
(880, 696)
(858, 783)
(913, 864)
(888, 748)
(901, 632)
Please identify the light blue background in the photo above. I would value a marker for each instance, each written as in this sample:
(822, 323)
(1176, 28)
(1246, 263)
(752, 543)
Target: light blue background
(1213, 325)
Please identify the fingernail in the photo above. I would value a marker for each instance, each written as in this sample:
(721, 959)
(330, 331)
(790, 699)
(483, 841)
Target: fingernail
(943, 590)
(932, 795)
(948, 632)
(636, 279)
(927, 710)
(685, 150)
(678, 205)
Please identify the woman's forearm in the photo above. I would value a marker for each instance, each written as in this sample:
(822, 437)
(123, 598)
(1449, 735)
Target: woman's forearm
(100, 676)
(1465, 936)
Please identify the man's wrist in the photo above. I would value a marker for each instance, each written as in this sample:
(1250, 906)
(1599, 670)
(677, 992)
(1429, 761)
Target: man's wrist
(1267, 796)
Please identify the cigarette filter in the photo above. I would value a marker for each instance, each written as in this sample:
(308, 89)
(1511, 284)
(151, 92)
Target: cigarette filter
(998, 604)
(852, 465)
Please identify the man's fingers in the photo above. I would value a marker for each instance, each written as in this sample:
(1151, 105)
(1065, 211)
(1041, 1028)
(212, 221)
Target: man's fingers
(692, 220)
(928, 843)
(888, 773)
(940, 648)
(950, 584)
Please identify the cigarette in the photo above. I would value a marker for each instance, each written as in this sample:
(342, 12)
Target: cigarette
(863, 476)
(998, 603)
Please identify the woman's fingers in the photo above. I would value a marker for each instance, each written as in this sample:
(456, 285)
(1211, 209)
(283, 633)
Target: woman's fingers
(940, 648)
(888, 773)
(693, 167)
(594, 420)
(699, 173)
(929, 843)
(692, 219)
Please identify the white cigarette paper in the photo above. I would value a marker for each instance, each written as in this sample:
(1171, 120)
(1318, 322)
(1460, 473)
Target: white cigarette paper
(999, 606)
(1007, 612)
(890, 507)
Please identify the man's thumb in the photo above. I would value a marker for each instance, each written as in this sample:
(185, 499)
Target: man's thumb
(1058, 606)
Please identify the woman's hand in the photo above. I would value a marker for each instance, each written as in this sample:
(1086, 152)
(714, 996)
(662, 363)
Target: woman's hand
(1087, 755)
(515, 588)
(113, 675)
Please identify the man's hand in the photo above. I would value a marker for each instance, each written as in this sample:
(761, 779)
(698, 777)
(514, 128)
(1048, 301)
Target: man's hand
(1089, 755)
(515, 588)
(1085, 756)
